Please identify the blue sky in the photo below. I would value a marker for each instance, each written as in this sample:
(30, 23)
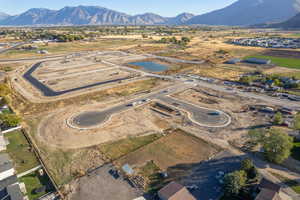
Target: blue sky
(162, 7)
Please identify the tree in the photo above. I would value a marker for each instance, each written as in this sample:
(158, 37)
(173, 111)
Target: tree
(278, 119)
(10, 120)
(253, 173)
(245, 79)
(234, 182)
(4, 90)
(297, 122)
(277, 146)
(247, 164)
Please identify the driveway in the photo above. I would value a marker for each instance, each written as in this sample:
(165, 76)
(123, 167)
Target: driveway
(101, 185)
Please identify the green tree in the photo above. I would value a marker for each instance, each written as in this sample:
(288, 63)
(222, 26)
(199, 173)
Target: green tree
(277, 146)
(10, 120)
(247, 164)
(278, 119)
(245, 80)
(234, 182)
(253, 173)
(4, 90)
(297, 122)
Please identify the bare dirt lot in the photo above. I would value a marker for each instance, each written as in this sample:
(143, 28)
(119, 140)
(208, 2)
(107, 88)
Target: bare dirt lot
(236, 107)
(53, 130)
(100, 185)
(175, 148)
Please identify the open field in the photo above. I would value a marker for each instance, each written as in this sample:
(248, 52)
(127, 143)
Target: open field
(115, 150)
(66, 164)
(121, 125)
(280, 61)
(68, 47)
(21, 153)
(176, 148)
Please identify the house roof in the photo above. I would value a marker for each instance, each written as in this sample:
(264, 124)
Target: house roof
(175, 191)
(266, 184)
(12, 192)
(266, 194)
(8, 181)
(5, 162)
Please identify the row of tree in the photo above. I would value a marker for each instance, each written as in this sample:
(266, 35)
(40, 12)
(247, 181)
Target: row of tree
(173, 40)
(7, 119)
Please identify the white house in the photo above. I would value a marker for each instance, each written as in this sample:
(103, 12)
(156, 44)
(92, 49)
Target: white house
(6, 166)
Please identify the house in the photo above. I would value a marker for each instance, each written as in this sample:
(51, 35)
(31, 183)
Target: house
(6, 166)
(175, 191)
(10, 189)
(270, 191)
(3, 142)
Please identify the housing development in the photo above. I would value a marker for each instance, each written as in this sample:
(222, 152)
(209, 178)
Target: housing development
(162, 111)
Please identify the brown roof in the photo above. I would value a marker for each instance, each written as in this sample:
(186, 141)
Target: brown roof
(266, 194)
(175, 191)
(266, 184)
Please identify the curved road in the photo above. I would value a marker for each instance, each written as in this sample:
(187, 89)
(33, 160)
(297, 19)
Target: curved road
(198, 115)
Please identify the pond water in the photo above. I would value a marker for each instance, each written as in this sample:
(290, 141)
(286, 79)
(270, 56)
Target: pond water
(150, 66)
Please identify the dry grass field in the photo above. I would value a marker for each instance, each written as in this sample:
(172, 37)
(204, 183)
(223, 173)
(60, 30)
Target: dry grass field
(175, 148)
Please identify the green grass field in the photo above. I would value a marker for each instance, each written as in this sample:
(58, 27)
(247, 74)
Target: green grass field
(282, 62)
(20, 152)
(33, 181)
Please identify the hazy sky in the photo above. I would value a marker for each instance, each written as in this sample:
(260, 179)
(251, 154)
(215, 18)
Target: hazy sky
(162, 7)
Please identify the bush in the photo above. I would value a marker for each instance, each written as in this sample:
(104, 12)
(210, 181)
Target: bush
(234, 182)
(10, 120)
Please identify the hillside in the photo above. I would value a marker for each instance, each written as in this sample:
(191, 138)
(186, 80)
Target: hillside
(249, 12)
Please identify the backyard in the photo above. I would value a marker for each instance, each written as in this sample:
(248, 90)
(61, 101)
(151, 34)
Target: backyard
(21, 152)
(34, 181)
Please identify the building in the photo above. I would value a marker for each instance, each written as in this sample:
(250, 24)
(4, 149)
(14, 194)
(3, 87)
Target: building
(257, 61)
(3, 142)
(6, 166)
(10, 189)
(270, 191)
(175, 191)
(233, 61)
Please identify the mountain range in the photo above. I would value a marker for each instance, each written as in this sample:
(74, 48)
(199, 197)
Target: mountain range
(89, 15)
(240, 13)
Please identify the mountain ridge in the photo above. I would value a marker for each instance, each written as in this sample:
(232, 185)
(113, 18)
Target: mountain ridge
(89, 15)
(249, 12)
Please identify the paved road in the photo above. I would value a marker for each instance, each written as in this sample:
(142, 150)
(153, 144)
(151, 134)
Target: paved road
(12, 47)
(198, 115)
(47, 91)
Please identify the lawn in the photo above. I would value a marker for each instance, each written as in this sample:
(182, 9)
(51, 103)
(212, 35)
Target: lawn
(33, 181)
(120, 148)
(282, 62)
(296, 151)
(20, 151)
